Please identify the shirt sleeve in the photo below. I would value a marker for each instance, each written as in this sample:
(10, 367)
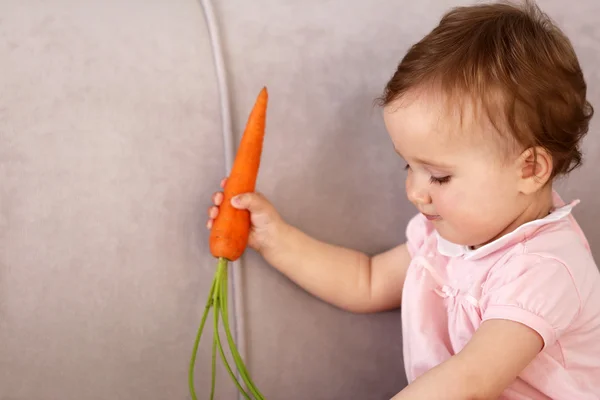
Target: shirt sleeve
(536, 291)
(417, 230)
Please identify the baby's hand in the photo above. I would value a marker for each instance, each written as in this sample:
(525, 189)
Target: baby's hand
(265, 221)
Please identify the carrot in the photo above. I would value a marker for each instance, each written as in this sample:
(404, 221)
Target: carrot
(229, 235)
(228, 240)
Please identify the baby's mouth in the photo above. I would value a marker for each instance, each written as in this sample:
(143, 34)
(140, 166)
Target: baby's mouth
(432, 217)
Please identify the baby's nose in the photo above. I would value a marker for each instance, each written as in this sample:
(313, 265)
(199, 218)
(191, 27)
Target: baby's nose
(418, 195)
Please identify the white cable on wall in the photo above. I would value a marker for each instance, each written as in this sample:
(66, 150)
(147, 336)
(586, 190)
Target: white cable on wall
(228, 140)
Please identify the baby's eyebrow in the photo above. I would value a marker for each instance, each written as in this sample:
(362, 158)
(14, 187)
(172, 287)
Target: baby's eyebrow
(433, 164)
(426, 162)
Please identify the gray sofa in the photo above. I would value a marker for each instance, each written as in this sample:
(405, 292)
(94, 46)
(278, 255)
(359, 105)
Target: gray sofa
(111, 145)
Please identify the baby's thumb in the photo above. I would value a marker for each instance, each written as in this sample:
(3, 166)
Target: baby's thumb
(253, 202)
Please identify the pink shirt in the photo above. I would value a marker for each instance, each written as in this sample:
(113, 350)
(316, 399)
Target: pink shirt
(542, 275)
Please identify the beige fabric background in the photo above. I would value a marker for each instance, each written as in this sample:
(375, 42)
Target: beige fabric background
(110, 146)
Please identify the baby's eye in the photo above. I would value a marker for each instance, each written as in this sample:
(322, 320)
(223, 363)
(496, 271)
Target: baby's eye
(440, 180)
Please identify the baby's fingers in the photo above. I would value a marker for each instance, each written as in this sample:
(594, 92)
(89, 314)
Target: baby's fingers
(223, 182)
(213, 211)
(217, 198)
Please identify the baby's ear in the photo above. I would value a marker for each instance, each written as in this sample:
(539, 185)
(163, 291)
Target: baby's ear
(535, 169)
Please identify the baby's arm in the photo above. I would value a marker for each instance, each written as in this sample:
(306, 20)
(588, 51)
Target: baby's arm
(348, 279)
(488, 364)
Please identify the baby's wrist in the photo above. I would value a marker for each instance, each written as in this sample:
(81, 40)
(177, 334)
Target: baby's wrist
(276, 241)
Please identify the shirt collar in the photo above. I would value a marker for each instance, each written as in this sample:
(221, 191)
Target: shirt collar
(450, 249)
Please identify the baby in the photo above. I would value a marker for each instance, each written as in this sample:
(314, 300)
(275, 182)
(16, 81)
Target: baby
(499, 291)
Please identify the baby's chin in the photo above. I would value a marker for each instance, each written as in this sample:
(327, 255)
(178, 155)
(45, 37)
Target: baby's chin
(459, 237)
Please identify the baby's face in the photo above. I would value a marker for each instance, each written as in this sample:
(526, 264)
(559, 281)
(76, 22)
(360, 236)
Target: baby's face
(456, 174)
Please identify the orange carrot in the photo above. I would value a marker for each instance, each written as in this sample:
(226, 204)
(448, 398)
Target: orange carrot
(228, 240)
(231, 228)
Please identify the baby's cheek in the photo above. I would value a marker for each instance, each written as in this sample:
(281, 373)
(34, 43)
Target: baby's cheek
(449, 200)
(461, 209)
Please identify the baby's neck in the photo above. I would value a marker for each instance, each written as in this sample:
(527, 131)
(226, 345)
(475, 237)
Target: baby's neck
(538, 207)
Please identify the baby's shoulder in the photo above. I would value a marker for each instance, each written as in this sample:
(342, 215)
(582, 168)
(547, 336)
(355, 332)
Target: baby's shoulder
(549, 276)
(558, 251)
(564, 242)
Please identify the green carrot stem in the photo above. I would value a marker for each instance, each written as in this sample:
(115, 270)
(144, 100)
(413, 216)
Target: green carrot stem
(237, 358)
(209, 304)
(217, 299)
(214, 369)
(222, 280)
(231, 374)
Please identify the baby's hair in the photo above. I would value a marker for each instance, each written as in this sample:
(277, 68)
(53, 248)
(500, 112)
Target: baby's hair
(507, 56)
